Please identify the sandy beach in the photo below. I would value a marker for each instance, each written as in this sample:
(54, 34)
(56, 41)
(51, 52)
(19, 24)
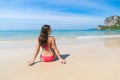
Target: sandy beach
(89, 61)
(87, 34)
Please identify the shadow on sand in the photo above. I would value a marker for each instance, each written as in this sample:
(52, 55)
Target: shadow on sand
(64, 56)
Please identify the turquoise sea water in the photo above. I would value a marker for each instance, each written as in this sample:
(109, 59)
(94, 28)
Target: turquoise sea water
(6, 35)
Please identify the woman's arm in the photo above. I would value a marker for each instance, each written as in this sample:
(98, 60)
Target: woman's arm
(57, 51)
(35, 54)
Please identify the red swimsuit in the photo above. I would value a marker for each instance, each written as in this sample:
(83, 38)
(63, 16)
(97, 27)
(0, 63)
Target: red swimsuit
(47, 58)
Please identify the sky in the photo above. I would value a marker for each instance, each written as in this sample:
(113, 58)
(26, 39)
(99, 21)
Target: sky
(60, 14)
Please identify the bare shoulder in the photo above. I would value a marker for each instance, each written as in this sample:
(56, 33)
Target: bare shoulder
(51, 37)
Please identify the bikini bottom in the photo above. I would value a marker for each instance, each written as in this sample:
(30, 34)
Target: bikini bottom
(47, 58)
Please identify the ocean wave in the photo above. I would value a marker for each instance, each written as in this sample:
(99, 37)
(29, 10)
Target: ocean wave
(96, 37)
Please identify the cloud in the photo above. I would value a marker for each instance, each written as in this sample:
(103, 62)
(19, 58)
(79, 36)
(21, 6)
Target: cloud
(59, 20)
(88, 7)
(57, 12)
(57, 5)
(46, 16)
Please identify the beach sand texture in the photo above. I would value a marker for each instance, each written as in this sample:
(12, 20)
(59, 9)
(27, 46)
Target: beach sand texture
(90, 61)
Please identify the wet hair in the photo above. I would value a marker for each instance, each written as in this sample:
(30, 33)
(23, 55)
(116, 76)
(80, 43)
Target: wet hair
(43, 37)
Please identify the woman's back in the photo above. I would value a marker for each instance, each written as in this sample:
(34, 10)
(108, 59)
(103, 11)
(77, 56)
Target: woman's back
(47, 49)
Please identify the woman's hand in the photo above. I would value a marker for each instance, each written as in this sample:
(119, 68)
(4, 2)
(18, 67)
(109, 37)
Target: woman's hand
(63, 61)
(30, 63)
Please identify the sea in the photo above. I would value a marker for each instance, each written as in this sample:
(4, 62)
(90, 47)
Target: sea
(6, 35)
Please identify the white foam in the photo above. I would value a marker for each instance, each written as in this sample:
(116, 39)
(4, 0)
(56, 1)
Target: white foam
(95, 37)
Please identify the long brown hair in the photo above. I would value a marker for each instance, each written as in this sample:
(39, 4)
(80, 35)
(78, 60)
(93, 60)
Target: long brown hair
(43, 37)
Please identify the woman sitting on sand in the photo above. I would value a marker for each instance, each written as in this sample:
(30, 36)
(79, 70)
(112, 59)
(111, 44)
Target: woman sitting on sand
(49, 48)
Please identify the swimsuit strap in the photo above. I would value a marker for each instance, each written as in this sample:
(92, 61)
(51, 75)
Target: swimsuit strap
(46, 47)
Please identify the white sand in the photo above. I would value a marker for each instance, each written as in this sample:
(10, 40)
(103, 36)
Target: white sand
(91, 61)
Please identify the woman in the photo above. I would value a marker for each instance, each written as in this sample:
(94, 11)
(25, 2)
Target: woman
(49, 48)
